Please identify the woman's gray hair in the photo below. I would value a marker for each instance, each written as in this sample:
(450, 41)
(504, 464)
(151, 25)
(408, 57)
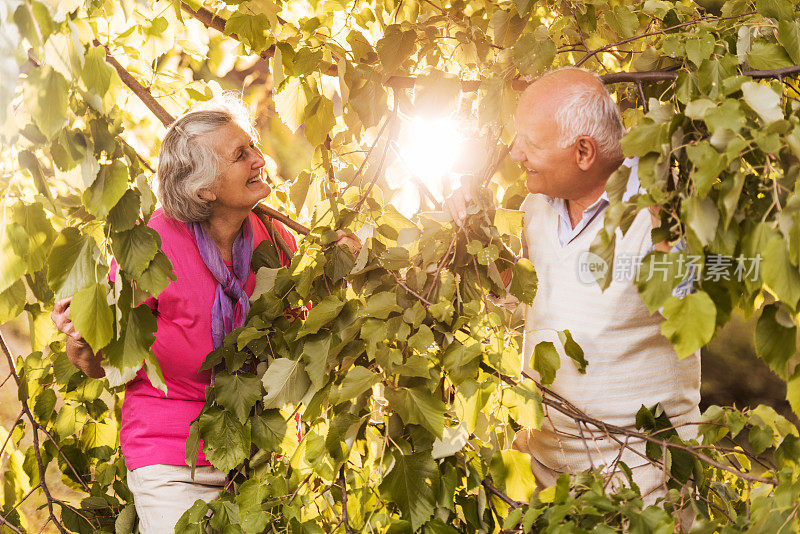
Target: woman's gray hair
(587, 111)
(188, 164)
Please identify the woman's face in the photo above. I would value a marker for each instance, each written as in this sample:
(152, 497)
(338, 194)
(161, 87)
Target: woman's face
(240, 184)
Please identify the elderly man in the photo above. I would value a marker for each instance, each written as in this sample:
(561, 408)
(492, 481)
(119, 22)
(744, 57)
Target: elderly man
(568, 142)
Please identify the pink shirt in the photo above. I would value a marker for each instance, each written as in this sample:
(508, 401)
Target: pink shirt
(155, 426)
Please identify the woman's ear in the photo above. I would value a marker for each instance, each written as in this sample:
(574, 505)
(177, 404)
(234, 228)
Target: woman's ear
(207, 195)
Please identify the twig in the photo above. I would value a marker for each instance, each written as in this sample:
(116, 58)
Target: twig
(5, 516)
(12, 527)
(363, 199)
(409, 290)
(343, 487)
(662, 31)
(503, 497)
(8, 437)
(66, 460)
(369, 152)
(440, 267)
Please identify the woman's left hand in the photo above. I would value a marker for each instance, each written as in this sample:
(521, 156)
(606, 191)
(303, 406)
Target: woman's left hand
(350, 240)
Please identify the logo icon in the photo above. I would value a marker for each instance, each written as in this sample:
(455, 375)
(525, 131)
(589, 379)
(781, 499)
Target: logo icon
(591, 267)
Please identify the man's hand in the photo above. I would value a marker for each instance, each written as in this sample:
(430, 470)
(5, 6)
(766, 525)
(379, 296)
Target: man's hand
(655, 217)
(350, 240)
(456, 205)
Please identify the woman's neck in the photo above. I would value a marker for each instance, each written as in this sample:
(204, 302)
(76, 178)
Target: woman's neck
(223, 229)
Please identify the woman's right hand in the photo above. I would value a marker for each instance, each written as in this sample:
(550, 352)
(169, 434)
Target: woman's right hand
(60, 317)
(78, 350)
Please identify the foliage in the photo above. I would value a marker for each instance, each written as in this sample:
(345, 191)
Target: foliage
(406, 373)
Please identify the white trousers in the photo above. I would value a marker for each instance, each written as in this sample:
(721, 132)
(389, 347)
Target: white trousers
(162, 493)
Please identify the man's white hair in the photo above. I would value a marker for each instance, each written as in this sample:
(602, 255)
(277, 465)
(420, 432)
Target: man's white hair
(188, 164)
(587, 111)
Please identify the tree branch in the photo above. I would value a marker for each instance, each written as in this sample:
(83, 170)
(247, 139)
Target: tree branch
(216, 22)
(563, 406)
(35, 434)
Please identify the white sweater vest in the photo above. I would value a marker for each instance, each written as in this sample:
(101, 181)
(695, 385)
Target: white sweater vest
(630, 363)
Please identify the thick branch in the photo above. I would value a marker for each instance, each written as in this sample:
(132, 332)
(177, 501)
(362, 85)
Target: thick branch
(138, 89)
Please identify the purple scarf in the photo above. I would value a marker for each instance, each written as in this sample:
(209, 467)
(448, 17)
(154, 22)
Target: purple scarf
(231, 304)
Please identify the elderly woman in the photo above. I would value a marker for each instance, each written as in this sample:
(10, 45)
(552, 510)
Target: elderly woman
(211, 176)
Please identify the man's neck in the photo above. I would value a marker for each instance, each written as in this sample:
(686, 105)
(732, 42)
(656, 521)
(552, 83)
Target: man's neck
(223, 228)
(576, 206)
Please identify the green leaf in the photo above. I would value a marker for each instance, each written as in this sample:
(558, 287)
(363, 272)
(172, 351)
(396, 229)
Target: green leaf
(511, 473)
(271, 431)
(534, 52)
(409, 485)
(125, 213)
(157, 276)
(643, 138)
(573, 350)
(763, 101)
(291, 101)
(250, 28)
(47, 99)
(380, 305)
(12, 301)
(766, 56)
(237, 393)
(622, 20)
(96, 72)
(524, 403)
(135, 249)
(546, 361)
(319, 119)
(789, 37)
(285, 382)
(419, 407)
(226, 441)
(523, 7)
(779, 273)
(775, 341)
(92, 315)
(128, 352)
(422, 340)
(107, 189)
(776, 9)
(708, 164)
(321, 314)
(358, 380)
(71, 265)
(728, 115)
(690, 322)
(395, 47)
(702, 218)
(524, 281)
(700, 48)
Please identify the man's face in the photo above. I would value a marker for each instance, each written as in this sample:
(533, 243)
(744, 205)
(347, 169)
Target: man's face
(550, 169)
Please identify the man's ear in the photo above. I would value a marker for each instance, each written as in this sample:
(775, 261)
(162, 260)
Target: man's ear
(207, 195)
(585, 152)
